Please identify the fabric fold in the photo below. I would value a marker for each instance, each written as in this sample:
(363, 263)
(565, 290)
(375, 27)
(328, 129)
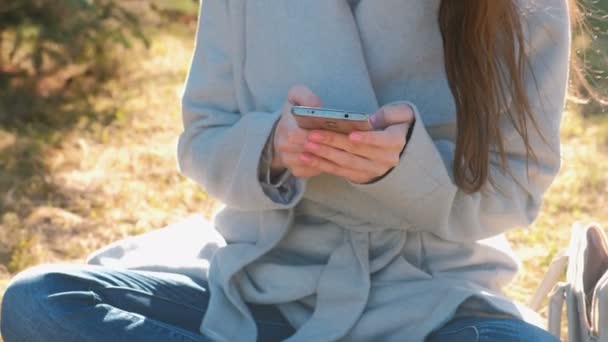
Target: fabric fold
(343, 290)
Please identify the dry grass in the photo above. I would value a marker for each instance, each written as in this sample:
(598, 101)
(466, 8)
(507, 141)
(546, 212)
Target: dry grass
(580, 193)
(97, 181)
(66, 194)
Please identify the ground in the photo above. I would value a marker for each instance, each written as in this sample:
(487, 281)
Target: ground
(68, 192)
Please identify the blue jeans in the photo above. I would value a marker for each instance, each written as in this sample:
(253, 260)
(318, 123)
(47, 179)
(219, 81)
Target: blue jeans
(90, 303)
(490, 329)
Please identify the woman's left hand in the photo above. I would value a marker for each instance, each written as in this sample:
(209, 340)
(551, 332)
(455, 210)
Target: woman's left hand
(361, 157)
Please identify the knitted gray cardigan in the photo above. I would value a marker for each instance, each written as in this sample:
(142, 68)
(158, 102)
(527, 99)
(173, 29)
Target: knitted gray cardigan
(387, 261)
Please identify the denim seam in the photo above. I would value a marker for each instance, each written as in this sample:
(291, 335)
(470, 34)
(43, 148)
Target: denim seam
(502, 324)
(157, 323)
(55, 321)
(454, 331)
(49, 313)
(165, 328)
(490, 327)
(149, 295)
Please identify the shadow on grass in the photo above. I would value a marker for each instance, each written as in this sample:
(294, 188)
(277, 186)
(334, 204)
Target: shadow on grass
(32, 120)
(85, 154)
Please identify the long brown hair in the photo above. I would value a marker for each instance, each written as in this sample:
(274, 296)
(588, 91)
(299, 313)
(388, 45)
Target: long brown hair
(486, 67)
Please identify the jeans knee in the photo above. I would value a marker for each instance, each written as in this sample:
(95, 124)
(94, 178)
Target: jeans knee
(23, 301)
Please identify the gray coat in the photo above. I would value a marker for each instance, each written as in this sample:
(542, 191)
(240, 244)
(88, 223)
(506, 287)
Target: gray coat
(387, 261)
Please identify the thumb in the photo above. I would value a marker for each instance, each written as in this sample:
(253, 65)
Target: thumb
(391, 115)
(301, 95)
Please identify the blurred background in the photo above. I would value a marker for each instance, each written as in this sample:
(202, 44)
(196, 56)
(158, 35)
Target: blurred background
(90, 114)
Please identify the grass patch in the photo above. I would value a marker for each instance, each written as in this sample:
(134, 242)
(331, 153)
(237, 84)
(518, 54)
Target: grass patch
(580, 193)
(90, 174)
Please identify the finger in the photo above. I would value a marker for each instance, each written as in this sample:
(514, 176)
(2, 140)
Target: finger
(374, 161)
(392, 114)
(341, 141)
(300, 95)
(296, 137)
(292, 160)
(286, 148)
(299, 168)
(305, 172)
(342, 158)
(332, 168)
(378, 157)
(392, 137)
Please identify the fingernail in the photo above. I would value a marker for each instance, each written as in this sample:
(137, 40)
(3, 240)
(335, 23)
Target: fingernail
(312, 146)
(316, 136)
(356, 137)
(375, 120)
(305, 158)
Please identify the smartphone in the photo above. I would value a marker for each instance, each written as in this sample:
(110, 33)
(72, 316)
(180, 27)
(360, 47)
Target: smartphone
(336, 120)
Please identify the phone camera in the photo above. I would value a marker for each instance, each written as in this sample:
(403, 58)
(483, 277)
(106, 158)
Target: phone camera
(346, 115)
(313, 111)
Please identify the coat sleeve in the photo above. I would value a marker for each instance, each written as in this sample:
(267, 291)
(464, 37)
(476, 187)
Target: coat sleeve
(221, 148)
(268, 179)
(421, 187)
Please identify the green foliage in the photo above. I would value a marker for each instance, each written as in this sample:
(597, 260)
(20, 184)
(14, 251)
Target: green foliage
(23, 255)
(590, 42)
(44, 35)
(176, 7)
(56, 55)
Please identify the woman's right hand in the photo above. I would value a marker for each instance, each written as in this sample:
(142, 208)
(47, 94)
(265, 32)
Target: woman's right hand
(289, 138)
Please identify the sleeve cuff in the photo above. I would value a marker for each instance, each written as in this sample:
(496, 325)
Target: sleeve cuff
(407, 140)
(264, 171)
(420, 171)
(282, 188)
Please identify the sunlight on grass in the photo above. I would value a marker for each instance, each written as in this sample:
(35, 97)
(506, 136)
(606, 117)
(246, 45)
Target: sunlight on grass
(101, 179)
(580, 192)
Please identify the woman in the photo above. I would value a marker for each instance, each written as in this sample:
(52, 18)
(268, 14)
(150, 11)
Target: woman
(389, 235)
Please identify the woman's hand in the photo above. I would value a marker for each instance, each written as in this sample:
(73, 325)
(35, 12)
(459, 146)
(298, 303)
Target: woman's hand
(289, 138)
(361, 157)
